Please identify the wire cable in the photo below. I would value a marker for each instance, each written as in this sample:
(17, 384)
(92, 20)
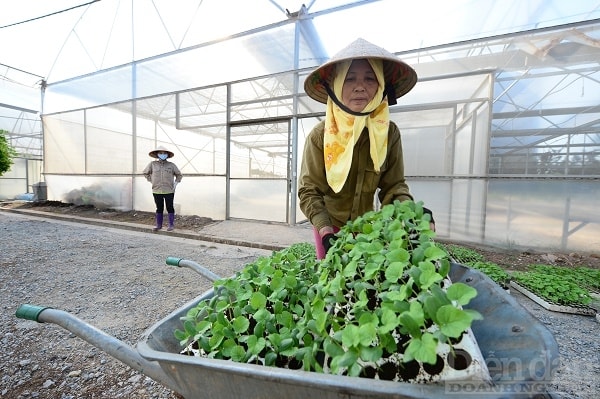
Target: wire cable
(48, 15)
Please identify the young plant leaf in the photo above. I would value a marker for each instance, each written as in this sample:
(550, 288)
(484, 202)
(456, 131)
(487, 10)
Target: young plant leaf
(461, 293)
(421, 349)
(410, 324)
(433, 253)
(367, 334)
(371, 353)
(258, 300)
(389, 321)
(347, 359)
(350, 336)
(453, 321)
(429, 275)
(394, 271)
(240, 325)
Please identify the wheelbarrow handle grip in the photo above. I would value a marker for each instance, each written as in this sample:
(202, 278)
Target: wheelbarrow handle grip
(179, 262)
(30, 312)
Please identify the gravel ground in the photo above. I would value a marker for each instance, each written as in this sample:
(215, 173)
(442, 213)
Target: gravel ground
(113, 279)
(117, 281)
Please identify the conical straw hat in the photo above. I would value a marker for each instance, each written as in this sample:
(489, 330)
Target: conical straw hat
(397, 73)
(154, 153)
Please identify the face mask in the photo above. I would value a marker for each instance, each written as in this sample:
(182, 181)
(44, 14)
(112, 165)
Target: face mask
(163, 156)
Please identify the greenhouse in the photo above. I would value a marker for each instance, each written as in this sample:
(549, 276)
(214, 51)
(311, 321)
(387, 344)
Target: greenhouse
(501, 134)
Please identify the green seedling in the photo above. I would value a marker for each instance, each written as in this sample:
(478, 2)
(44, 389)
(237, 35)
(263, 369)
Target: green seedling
(381, 290)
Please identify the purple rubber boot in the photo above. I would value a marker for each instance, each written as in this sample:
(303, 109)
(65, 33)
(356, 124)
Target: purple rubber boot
(159, 222)
(171, 222)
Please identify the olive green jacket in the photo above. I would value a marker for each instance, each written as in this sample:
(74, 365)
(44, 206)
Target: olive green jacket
(323, 206)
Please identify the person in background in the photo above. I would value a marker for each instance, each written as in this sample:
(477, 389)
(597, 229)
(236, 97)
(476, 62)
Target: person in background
(164, 176)
(356, 150)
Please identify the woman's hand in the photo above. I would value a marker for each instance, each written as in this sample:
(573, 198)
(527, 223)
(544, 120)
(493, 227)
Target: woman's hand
(327, 240)
(327, 237)
(431, 220)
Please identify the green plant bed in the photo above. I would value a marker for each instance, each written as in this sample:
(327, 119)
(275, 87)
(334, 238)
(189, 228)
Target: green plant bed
(553, 288)
(379, 305)
(581, 276)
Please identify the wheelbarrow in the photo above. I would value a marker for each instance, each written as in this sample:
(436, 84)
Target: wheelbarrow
(520, 352)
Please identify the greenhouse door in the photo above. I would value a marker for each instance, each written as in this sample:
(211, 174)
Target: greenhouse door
(259, 170)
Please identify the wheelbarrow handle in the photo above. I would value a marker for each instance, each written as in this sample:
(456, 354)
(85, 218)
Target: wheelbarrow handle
(107, 343)
(179, 262)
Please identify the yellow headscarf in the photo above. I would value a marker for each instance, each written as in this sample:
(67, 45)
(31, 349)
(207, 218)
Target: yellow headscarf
(342, 130)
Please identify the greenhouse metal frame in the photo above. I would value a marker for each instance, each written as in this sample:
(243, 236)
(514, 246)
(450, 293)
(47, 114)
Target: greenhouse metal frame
(501, 135)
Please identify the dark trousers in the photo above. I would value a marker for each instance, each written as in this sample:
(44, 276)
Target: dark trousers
(164, 199)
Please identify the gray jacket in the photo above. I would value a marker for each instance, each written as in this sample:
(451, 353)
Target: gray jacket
(162, 175)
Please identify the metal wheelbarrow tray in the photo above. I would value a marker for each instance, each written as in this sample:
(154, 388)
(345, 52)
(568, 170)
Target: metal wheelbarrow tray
(520, 352)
